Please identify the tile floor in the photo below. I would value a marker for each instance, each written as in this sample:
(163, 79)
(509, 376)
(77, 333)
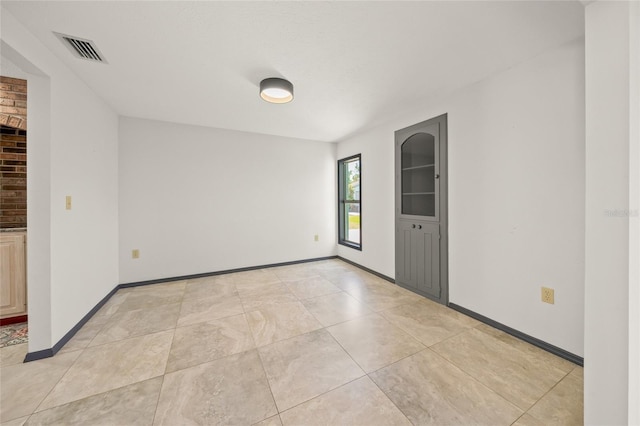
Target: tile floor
(310, 344)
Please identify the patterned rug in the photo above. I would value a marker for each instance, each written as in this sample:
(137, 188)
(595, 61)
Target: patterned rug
(14, 334)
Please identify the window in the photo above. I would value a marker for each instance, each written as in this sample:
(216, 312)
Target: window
(349, 220)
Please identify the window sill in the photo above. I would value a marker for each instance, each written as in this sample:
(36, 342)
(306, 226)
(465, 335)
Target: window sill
(351, 245)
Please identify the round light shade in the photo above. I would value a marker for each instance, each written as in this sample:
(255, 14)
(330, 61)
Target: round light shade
(276, 90)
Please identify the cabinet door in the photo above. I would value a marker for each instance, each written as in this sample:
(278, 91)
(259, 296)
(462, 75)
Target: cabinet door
(406, 266)
(427, 252)
(418, 256)
(12, 275)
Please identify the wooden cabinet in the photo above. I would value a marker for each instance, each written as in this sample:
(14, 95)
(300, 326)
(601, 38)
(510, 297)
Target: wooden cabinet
(421, 213)
(13, 283)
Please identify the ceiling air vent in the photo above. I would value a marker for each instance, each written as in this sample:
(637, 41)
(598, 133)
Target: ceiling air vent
(84, 49)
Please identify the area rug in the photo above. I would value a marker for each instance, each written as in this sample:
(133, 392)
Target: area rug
(14, 334)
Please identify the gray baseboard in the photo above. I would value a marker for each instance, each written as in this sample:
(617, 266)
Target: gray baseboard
(520, 335)
(364, 268)
(48, 353)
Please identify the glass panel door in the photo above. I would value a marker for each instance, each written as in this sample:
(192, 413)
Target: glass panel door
(418, 164)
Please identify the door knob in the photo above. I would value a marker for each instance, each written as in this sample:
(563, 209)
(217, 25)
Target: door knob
(413, 226)
(419, 226)
(437, 176)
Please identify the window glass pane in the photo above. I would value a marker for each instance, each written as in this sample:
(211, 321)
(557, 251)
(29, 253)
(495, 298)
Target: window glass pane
(352, 179)
(352, 212)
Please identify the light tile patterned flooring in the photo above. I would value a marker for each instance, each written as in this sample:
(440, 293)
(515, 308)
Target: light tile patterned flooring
(308, 344)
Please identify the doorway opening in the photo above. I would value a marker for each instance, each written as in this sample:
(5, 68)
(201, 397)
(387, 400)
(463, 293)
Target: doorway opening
(13, 211)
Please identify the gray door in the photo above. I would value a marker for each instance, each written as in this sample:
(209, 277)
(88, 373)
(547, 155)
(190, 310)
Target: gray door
(421, 214)
(419, 251)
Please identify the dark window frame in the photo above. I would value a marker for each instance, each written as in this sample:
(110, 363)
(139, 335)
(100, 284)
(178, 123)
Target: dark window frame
(342, 202)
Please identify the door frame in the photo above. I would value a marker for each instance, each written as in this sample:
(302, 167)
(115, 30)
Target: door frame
(443, 186)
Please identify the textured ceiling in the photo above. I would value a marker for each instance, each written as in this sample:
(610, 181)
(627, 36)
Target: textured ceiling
(353, 64)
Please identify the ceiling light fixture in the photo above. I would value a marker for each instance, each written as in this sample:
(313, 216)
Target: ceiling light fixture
(276, 90)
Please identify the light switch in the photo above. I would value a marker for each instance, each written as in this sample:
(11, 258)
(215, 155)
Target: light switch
(68, 202)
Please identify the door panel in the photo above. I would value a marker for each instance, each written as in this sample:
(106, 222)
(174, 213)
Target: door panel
(404, 255)
(430, 260)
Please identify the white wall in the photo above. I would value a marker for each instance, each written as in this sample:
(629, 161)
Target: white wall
(611, 277)
(72, 255)
(634, 221)
(196, 199)
(516, 195)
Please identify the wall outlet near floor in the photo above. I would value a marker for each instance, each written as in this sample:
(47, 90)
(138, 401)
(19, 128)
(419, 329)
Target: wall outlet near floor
(316, 238)
(135, 254)
(547, 295)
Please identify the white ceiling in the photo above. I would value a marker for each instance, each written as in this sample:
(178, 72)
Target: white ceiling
(353, 64)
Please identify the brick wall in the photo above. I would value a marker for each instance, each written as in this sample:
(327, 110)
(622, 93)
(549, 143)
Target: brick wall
(13, 102)
(13, 153)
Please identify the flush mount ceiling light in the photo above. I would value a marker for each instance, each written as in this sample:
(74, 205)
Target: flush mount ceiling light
(276, 90)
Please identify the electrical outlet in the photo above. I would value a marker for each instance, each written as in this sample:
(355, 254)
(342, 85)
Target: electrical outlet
(547, 295)
(135, 254)
(316, 238)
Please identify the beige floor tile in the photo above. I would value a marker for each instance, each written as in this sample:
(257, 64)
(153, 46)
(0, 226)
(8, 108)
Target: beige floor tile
(257, 296)
(271, 421)
(208, 370)
(207, 341)
(273, 323)
(333, 268)
(373, 342)
(14, 354)
(521, 376)
(386, 296)
(264, 276)
(335, 308)
(16, 422)
(428, 322)
(218, 285)
(113, 304)
(312, 287)
(563, 405)
(126, 324)
(306, 366)
(24, 386)
(352, 281)
(228, 391)
(130, 405)
(578, 373)
(149, 296)
(86, 334)
(527, 348)
(376, 293)
(431, 391)
(360, 402)
(205, 309)
(103, 368)
(295, 272)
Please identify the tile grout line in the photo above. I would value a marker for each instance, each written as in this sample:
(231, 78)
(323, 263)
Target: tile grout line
(546, 393)
(58, 382)
(476, 379)
(264, 370)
